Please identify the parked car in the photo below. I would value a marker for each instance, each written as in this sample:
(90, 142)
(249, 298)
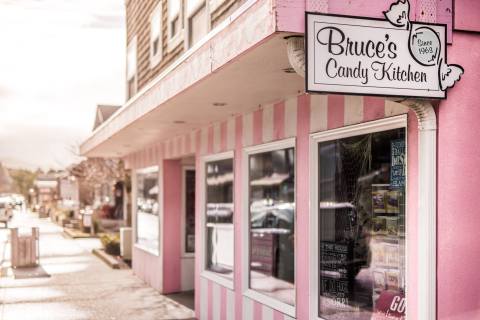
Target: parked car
(6, 212)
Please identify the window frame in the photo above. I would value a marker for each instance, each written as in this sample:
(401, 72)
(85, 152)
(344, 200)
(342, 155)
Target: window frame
(183, 222)
(189, 17)
(204, 272)
(215, 4)
(132, 45)
(156, 58)
(176, 40)
(246, 291)
(385, 124)
(150, 169)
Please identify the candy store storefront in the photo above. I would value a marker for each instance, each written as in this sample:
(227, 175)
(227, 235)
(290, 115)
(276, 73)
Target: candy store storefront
(312, 160)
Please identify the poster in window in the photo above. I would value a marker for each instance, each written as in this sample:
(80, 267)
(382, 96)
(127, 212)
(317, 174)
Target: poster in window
(397, 171)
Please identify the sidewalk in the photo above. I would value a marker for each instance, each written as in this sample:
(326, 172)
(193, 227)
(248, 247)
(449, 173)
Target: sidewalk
(80, 286)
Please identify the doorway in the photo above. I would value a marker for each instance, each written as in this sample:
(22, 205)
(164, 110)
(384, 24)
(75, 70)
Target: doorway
(187, 232)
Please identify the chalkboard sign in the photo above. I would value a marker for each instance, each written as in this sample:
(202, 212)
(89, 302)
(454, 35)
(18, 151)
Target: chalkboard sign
(336, 269)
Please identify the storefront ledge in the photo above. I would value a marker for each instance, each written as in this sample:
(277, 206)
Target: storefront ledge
(217, 279)
(147, 250)
(270, 302)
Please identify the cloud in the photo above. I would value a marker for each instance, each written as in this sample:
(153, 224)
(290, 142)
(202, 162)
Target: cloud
(4, 91)
(53, 72)
(103, 21)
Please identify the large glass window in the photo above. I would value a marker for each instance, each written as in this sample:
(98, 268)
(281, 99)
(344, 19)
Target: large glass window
(147, 208)
(272, 223)
(219, 217)
(362, 226)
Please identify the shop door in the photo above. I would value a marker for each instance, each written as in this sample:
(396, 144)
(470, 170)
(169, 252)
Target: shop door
(188, 228)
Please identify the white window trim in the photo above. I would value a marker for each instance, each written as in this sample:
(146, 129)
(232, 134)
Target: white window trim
(177, 40)
(247, 292)
(183, 222)
(204, 273)
(189, 16)
(339, 133)
(151, 169)
(215, 4)
(155, 59)
(133, 43)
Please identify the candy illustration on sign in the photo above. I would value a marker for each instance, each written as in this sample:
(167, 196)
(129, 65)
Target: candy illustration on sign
(398, 14)
(424, 44)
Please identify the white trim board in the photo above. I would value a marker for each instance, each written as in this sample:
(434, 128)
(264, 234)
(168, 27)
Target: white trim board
(247, 292)
(204, 273)
(339, 133)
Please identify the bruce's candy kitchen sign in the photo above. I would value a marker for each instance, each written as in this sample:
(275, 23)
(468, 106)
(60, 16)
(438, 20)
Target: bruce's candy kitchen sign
(392, 57)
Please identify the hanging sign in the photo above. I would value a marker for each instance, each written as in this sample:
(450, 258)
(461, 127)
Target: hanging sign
(393, 57)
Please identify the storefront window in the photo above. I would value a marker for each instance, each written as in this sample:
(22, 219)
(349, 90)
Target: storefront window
(272, 220)
(219, 217)
(147, 209)
(362, 226)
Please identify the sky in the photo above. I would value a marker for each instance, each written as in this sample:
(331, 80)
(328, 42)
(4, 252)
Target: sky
(58, 60)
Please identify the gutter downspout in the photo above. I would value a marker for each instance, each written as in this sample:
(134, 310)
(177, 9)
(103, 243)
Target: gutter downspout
(427, 207)
(427, 188)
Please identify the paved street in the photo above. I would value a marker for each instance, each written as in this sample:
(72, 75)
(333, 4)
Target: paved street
(80, 287)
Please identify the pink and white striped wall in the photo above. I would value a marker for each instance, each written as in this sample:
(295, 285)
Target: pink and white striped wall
(294, 117)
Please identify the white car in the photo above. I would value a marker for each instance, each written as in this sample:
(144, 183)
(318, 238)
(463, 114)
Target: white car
(5, 210)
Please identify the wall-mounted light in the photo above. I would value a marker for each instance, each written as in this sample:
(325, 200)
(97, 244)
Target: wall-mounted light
(289, 70)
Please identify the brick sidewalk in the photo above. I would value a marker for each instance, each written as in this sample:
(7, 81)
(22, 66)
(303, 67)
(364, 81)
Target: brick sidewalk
(80, 286)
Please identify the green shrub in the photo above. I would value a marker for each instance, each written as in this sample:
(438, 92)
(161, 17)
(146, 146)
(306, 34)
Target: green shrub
(111, 243)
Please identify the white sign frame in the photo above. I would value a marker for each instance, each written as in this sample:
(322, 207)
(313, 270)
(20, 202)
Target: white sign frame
(431, 87)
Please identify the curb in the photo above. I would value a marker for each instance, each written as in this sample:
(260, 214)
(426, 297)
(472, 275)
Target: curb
(77, 235)
(105, 257)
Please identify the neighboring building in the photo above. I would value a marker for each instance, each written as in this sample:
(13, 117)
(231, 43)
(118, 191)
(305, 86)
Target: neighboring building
(69, 192)
(103, 113)
(102, 185)
(46, 186)
(273, 203)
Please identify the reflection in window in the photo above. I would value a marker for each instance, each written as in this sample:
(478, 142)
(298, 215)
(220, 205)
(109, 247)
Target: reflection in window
(219, 217)
(362, 227)
(272, 216)
(147, 209)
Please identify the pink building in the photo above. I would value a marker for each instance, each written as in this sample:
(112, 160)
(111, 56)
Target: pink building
(274, 203)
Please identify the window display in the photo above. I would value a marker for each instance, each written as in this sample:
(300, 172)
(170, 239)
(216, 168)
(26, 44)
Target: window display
(272, 220)
(362, 227)
(219, 217)
(147, 209)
